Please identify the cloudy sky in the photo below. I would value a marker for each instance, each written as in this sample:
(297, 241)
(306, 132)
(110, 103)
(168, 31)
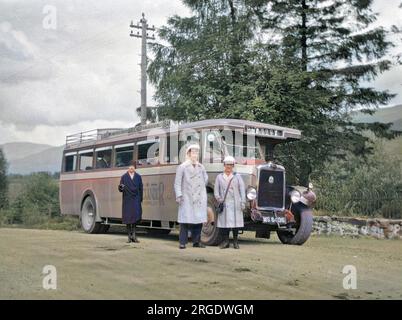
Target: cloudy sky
(81, 72)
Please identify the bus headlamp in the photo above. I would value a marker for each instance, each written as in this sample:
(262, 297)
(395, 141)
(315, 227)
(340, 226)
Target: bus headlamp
(295, 196)
(251, 193)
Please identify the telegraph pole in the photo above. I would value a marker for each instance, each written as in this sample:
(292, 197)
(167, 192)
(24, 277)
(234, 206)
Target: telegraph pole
(143, 25)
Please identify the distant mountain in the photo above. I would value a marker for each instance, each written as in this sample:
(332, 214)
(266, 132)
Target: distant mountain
(383, 115)
(25, 157)
(18, 150)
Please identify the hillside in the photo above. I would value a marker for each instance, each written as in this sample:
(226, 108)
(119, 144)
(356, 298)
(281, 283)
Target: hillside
(384, 115)
(25, 158)
(18, 150)
(46, 160)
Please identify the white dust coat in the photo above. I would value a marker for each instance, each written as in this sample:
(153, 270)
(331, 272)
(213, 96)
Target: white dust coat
(190, 183)
(232, 215)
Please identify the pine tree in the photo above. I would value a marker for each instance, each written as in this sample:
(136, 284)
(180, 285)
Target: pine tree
(335, 49)
(296, 63)
(207, 59)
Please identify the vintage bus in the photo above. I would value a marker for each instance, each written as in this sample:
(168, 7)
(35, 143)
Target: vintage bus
(94, 161)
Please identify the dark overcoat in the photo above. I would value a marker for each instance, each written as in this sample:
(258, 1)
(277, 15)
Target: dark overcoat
(132, 198)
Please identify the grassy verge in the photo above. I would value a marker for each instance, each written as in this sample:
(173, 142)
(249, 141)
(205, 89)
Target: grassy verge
(67, 223)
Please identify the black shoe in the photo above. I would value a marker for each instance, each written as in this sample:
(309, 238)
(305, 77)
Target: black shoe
(129, 234)
(182, 246)
(198, 245)
(133, 235)
(236, 241)
(224, 244)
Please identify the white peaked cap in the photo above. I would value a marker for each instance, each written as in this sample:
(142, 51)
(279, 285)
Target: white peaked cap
(229, 160)
(192, 146)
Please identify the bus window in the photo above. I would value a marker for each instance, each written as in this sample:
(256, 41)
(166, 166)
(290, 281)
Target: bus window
(213, 148)
(170, 145)
(124, 154)
(148, 153)
(186, 138)
(171, 154)
(86, 159)
(103, 157)
(70, 162)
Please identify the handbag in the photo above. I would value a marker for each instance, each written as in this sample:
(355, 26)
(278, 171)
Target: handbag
(221, 206)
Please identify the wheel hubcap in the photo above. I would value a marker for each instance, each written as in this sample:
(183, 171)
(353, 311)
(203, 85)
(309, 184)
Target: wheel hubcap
(87, 215)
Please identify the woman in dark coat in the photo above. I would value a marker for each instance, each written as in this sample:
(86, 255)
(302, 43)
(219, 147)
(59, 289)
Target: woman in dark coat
(131, 187)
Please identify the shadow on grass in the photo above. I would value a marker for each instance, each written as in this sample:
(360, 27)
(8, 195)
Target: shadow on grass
(245, 240)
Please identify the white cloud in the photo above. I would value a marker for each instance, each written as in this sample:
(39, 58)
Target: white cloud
(53, 134)
(85, 74)
(87, 69)
(75, 92)
(14, 44)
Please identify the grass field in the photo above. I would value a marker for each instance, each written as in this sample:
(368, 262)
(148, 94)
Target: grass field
(104, 266)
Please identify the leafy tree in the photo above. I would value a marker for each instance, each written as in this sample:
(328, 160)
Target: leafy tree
(43, 192)
(297, 63)
(206, 68)
(335, 49)
(3, 180)
(37, 202)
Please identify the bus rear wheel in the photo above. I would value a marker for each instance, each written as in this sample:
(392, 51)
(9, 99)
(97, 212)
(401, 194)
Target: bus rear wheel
(210, 234)
(88, 216)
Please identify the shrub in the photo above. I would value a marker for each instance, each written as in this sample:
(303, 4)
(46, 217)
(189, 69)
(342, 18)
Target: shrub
(37, 205)
(369, 187)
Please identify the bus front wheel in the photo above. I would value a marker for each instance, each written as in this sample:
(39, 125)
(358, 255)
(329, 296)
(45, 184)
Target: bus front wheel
(304, 226)
(88, 216)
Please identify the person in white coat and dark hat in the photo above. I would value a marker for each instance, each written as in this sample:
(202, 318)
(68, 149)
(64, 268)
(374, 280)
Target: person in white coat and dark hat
(231, 218)
(191, 195)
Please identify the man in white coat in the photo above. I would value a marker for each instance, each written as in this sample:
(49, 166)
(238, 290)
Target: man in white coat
(230, 184)
(191, 195)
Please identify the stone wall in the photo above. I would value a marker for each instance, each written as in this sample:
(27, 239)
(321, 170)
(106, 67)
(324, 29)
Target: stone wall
(355, 227)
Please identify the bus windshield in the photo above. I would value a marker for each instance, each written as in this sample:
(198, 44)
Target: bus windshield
(247, 152)
(243, 151)
(246, 149)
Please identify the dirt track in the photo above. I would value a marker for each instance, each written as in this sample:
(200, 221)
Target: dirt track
(105, 267)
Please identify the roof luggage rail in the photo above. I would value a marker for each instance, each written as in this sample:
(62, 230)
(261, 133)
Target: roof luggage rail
(91, 135)
(98, 134)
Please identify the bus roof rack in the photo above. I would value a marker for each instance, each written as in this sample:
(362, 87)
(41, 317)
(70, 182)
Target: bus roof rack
(86, 136)
(251, 127)
(98, 134)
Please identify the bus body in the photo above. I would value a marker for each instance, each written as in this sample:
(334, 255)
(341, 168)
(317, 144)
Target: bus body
(94, 161)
